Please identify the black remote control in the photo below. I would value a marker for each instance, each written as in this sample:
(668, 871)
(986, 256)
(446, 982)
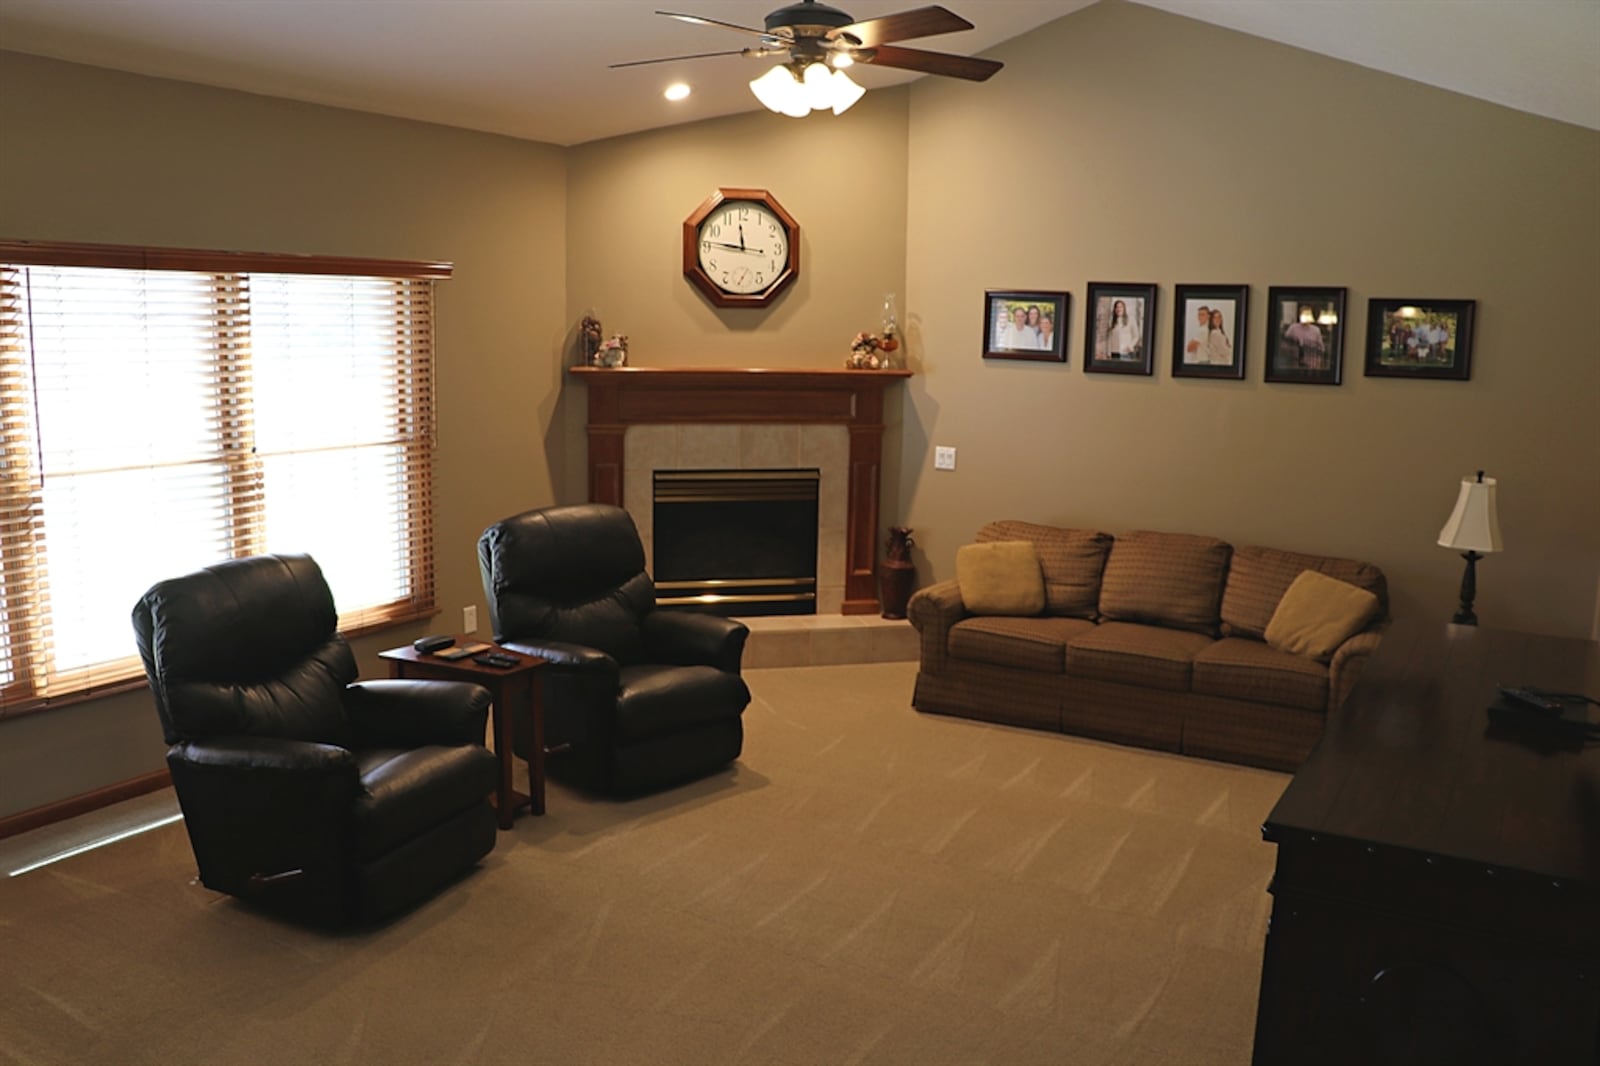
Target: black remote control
(1531, 700)
(494, 658)
(428, 645)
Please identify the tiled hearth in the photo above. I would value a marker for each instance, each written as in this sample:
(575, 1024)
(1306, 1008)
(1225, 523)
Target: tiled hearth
(827, 640)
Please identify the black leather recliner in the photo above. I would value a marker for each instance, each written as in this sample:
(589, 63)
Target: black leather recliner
(304, 793)
(636, 699)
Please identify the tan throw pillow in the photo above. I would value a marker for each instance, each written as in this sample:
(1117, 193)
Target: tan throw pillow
(1001, 577)
(1318, 614)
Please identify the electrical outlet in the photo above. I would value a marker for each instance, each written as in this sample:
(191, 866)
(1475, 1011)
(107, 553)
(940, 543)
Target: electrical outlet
(469, 619)
(944, 458)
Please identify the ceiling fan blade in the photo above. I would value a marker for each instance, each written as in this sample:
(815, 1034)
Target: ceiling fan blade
(696, 55)
(923, 22)
(950, 66)
(701, 20)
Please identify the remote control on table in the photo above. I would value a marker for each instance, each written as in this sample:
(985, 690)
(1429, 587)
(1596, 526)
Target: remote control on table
(1531, 700)
(494, 658)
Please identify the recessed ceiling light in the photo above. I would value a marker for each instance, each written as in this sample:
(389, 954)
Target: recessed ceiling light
(677, 91)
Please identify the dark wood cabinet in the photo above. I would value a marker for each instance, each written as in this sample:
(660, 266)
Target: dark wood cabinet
(1437, 891)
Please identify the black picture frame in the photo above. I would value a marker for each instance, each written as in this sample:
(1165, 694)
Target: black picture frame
(1305, 335)
(1004, 337)
(1427, 339)
(1232, 304)
(1136, 337)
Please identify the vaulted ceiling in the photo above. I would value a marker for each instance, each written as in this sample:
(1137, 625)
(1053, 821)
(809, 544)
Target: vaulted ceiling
(538, 69)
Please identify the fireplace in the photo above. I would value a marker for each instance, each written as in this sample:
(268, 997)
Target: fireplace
(737, 414)
(736, 541)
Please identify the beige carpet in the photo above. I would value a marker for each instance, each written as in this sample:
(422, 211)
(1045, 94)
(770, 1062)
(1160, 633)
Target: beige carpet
(868, 885)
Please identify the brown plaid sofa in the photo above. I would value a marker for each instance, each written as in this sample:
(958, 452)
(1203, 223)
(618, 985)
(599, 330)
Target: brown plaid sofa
(1154, 639)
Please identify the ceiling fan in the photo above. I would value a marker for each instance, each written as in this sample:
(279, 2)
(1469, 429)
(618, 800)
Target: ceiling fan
(813, 34)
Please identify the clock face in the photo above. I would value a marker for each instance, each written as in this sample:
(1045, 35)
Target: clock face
(743, 247)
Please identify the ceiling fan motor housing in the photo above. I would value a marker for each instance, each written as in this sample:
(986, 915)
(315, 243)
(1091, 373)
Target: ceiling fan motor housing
(807, 19)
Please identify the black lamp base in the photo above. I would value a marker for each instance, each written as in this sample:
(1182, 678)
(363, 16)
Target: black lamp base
(1469, 590)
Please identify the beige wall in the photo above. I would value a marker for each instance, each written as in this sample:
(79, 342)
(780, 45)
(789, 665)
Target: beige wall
(1124, 144)
(92, 155)
(1119, 143)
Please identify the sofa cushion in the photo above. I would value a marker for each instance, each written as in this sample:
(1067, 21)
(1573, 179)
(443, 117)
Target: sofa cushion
(1318, 614)
(1071, 560)
(1165, 579)
(1001, 577)
(406, 791)
(655, 700)
(1258, 578)
(1244, 669)
(1024, 643)
(1133, 654)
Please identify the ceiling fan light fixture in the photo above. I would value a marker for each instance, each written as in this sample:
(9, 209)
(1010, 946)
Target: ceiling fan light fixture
(840, 60)
(818, 84)
(776, 89)
(845, 92)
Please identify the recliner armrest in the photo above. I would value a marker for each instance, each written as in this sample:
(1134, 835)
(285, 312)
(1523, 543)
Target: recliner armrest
(266, 756)
(413, 714)
(564, 654)
(688, 638)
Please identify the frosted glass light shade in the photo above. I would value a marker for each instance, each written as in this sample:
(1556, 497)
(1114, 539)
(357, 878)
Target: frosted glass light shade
(797, 93)
(1474, 525)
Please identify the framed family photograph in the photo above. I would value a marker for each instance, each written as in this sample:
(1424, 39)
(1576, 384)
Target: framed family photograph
(1119, 329)
(1420, 339)
(1025, 325)
(1208, 331)
(1305, 335)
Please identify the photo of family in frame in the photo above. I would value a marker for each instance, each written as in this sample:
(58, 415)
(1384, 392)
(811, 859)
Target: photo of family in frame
(1025, 325)
(1420, 339)
(1120, 329)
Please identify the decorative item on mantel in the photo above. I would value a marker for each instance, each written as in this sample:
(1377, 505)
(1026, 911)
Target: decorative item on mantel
(589, 338)
(899, 574)
(875, 351)
(612, 352)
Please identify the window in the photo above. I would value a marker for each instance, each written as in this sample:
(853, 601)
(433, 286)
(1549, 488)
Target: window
(161, 410)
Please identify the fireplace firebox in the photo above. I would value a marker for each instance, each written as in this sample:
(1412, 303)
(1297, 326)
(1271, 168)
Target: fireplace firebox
(736, 541)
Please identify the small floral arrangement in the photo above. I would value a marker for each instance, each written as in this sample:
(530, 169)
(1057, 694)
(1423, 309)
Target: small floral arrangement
(870, 351)
(612, 352)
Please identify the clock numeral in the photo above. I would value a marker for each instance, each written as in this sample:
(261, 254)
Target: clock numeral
(713, 263)
(777, 248)
(744, 213)
(761, 279)
(705, 246)
(773, 266)
(716, 231)
(772, 227)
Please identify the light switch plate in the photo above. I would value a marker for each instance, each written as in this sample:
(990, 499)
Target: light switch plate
(944, 458)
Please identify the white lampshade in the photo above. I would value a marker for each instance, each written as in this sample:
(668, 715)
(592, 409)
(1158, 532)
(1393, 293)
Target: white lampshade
(845, 92)
(1474, 525)
(778, 91)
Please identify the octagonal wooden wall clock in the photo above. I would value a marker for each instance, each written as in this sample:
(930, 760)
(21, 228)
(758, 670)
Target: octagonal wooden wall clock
(741, 248)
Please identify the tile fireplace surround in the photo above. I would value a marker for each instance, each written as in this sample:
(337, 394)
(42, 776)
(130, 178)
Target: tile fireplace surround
(665, 418)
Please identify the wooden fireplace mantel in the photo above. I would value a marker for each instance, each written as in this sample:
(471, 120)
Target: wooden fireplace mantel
(630, 396)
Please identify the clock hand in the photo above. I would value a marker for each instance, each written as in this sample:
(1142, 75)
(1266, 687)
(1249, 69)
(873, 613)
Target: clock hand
(741, 237)
(735, 247)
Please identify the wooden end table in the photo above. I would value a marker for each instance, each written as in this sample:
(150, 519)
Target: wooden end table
(513, 689)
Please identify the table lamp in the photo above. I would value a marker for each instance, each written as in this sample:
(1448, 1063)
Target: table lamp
(1473, 530)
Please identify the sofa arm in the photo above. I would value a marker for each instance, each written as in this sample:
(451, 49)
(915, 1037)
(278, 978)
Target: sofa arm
(687, 638)
(1347, 663)
(932, 611)
(413, 714)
